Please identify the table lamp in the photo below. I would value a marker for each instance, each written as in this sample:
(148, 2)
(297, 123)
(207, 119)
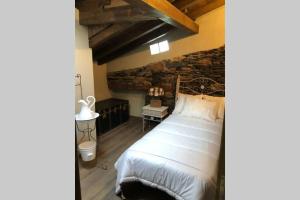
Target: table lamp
(155, 93)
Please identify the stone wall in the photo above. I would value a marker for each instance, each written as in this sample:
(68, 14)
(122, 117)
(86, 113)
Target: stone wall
(209, 64)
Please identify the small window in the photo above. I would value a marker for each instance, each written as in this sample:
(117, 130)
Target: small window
(163, 46)
(154, 48)
(159, 47)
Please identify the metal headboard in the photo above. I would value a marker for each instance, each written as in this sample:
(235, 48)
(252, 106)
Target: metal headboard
(200, 85)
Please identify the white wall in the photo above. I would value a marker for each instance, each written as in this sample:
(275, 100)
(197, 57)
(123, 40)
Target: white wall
(83, 64)
(100, 82)
(136, 101)
(83, 61)
(211, 35)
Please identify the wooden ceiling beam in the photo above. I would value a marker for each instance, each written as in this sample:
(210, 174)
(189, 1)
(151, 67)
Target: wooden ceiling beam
(93, 30)
(88, 5)
(196, 8)
(197, 11)
(182, 4)
(168, 13)
(104, 35)
(131, 38)
(127, 36)
(114, 15)
(163, 30)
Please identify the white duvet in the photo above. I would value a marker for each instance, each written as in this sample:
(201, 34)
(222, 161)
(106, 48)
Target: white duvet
(179, 156)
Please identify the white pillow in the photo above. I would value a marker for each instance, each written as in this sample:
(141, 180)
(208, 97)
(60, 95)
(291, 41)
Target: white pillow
(220, 104)
(200, 108)
(179, 103)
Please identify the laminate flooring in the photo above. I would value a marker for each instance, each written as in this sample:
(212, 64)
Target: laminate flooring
(98, 177)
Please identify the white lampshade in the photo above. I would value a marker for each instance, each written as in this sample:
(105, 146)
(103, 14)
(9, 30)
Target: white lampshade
(156, 91)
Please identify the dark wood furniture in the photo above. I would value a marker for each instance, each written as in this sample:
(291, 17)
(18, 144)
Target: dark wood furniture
(138, 191)
(113, 112)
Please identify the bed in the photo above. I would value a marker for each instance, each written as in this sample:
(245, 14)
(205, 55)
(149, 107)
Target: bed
(180, 155)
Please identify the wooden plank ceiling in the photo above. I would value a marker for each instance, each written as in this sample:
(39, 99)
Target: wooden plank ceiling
(116, 27)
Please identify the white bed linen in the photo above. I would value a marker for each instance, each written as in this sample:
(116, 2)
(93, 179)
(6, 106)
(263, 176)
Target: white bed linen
(179, 156)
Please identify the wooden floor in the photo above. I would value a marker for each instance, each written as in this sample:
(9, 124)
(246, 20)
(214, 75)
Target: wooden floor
(98, 178)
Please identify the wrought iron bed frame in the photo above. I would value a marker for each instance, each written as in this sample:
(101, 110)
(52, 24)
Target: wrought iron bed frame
(200, 85)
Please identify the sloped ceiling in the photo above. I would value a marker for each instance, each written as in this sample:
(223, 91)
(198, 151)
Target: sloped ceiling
(117, 27)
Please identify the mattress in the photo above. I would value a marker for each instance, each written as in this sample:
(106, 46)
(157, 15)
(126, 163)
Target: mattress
(179, 156)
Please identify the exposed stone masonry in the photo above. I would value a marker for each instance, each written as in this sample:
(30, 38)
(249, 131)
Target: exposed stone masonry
(209, 64)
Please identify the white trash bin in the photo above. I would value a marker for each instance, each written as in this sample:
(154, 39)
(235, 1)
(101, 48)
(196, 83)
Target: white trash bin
(87, 150)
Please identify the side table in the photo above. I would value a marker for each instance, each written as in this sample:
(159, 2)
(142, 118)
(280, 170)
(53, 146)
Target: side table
(154, 114)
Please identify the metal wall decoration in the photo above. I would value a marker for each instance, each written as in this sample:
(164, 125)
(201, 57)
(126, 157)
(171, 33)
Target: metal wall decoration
(78, 83)
(200, 85)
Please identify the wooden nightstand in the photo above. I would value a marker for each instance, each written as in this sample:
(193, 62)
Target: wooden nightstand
(154, 114)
